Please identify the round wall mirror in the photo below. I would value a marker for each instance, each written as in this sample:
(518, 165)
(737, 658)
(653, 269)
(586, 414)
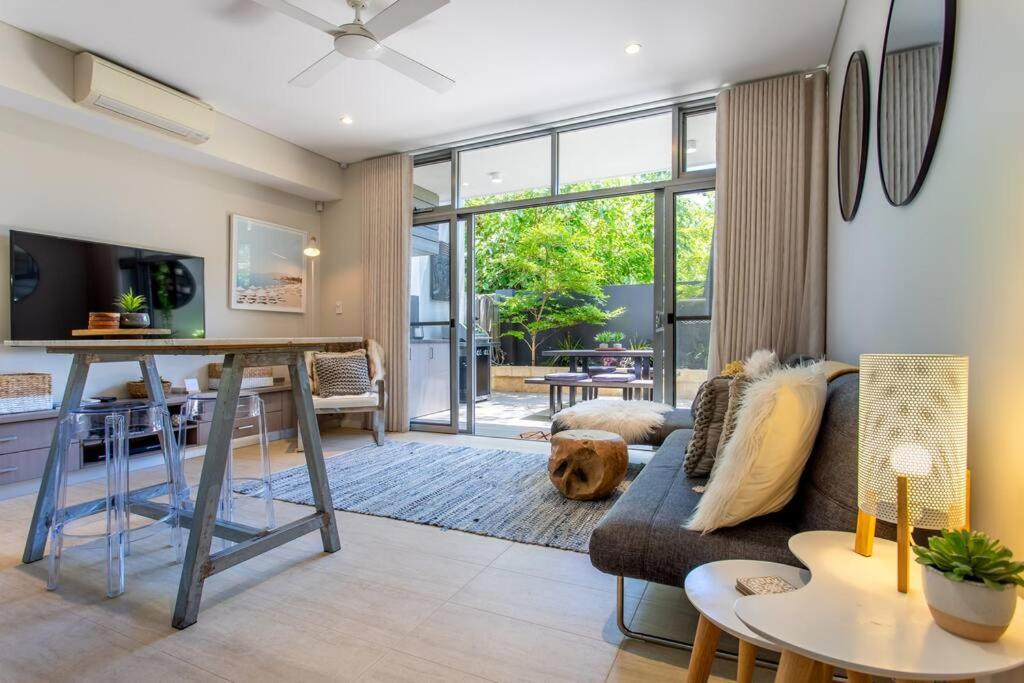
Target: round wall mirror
(852, 155)
(916, 63)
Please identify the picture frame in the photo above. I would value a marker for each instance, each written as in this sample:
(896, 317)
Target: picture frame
(268, 267)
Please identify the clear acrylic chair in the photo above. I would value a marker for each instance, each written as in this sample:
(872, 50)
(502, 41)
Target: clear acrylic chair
(114, 423)
(250, 418)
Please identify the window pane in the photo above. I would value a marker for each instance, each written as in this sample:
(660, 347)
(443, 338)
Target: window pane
(695, 228)
(500, 173)
(700, 141)
(432, 185)
(616, 154)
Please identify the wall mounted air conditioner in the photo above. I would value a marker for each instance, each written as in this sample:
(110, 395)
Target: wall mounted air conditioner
(114, 90)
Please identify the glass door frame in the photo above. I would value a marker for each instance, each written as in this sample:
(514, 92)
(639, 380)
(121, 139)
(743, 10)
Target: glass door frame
(666, 314)
(453, 347)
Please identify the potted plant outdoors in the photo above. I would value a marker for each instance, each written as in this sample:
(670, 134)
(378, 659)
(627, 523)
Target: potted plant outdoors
(132, 313)
(605, 339)
(970, 583)
(616, 340)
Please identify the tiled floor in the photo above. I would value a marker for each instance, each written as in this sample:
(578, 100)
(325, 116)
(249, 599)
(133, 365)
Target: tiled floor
(399, 602)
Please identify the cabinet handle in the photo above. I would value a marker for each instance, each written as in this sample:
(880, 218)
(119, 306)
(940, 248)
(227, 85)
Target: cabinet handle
(8, 439)
(8, 470)
(241, 427)
(431, 356)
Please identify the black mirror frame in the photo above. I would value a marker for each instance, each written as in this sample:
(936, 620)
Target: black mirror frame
(865, 95)
(945, 70)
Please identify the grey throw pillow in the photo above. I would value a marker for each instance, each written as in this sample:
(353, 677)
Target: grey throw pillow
(341, 374)
(709, 407)
(737, 388)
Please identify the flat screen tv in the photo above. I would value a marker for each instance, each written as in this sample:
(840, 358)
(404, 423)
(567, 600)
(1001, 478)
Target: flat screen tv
(56, 282)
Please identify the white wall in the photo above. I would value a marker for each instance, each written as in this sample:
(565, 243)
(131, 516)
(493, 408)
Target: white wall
(61, 180)
(341, 260)
(946, 273)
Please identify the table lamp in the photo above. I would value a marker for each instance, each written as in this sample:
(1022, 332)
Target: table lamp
(912, 448)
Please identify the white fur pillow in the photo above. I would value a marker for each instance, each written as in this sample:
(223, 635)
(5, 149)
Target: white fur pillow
(759, 468)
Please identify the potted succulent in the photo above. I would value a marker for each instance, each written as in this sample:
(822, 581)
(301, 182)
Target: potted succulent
(132, 307)
(607, 338)
(970, 583)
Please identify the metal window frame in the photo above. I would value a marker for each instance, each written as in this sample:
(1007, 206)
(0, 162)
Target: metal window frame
(678, 111)
(665, 191)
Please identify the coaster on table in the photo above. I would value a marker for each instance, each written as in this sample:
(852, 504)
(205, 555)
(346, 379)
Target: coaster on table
(763, 585)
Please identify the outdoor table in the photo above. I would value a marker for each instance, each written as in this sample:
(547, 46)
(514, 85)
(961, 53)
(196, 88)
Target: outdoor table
(643, 361)
(201, 520)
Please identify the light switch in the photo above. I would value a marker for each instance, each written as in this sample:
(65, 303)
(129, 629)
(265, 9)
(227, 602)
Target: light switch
(337, 308)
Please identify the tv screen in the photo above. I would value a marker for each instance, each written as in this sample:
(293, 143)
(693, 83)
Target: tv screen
(56, 282)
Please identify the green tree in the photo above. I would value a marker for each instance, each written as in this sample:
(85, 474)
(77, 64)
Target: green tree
(559, 257)
(556, 285)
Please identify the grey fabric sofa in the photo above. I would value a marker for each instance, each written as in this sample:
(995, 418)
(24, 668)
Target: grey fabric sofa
(642, 536)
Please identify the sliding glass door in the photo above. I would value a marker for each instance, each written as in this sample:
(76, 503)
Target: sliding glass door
(433, 347)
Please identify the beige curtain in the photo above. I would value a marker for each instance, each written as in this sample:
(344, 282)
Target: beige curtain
(386, 222)
(906, 109)
(769, 274)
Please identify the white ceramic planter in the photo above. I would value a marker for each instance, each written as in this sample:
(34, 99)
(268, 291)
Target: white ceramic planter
(968, 609)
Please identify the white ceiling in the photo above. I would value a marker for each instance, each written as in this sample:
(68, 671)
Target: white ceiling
(515, 62)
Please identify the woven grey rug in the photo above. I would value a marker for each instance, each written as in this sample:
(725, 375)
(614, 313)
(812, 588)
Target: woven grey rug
(492, 492)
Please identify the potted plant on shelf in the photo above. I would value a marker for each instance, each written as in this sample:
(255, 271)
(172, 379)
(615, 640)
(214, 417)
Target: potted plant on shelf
(970, 583)
(132, 313)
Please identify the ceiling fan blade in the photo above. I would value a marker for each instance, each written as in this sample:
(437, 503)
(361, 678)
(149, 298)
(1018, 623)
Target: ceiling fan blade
(414, 70)
(319, 69)
(299, 14)
(400, 14)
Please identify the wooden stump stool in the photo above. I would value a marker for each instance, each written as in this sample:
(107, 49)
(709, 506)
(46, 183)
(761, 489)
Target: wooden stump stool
(587, 464)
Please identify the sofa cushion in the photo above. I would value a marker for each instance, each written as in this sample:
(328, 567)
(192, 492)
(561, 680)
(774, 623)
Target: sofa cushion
(642, 536)
(827, 498)
(365, 400)
(709, 409)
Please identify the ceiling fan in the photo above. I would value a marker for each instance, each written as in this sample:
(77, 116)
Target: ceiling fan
(357, 40)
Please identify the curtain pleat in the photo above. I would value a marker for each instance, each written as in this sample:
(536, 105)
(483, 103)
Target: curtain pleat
(769, 268)
(906, 107)
(387, 220)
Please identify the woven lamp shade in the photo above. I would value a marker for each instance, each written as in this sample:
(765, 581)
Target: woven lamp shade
(913, 422)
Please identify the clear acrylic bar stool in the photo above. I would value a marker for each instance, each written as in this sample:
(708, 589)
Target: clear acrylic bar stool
(250, 418)
(114, 423)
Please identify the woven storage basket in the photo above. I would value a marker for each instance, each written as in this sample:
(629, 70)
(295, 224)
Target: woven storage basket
(22, 392)
(137, 388)
(251, 377)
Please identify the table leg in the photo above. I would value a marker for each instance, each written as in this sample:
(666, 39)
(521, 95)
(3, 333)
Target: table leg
(35, 545)
(857, 677)
(746, 662)
(551, 400)
(218, 447)
(794, 668)
(303, 396)
(824, 672)
(705, 643)
(572, 396)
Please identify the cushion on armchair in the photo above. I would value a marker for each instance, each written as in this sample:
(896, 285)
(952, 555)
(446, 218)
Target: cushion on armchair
(341, 374)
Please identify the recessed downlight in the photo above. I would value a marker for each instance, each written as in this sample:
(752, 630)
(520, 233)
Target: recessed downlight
(345, 120)
(633, 48)
(495, 177)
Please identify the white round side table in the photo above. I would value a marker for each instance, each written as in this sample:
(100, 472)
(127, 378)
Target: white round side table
(711, 589)
(850, 615)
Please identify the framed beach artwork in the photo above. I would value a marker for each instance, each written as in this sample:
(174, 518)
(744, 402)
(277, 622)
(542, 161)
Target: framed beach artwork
(268, 268)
